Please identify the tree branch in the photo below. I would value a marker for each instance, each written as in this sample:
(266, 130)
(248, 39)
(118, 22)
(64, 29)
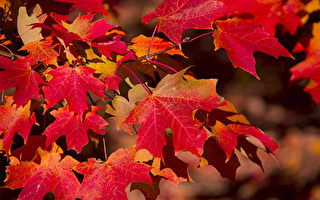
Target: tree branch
(9, 55)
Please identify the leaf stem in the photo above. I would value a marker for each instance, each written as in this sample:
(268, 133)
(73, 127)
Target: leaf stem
(144, 87)
(11, 54)
(157, 53)
(37, 66)
(185, 40)
(150, 44)
(2, 97)
(104, 147)
(159, 63)
(200, 36)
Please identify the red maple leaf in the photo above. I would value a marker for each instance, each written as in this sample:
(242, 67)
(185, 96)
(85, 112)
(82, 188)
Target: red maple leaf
(240, 39)
(80, 29)
(180, 15)
(227, 136)
(88, 5)
(141, 43)
(106, 68)
(72, 84)
(19, 74)
(310, 67)
(227, 125)
(72, 126)
(52, 175)
(216, 157)
(29, 150)
(42, 51)
(108, 180)
(113, 45)
(13, 119)
(269, 13)
(171, 106)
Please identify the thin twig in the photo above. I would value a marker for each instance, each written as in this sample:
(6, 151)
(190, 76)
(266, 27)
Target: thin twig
(105, 148)
(185, 40)
(144, 87)
(157, 53)
(159, 63)
(9, 55)
(7, 49)
(200, 36)
(2, 97)
(150, 44)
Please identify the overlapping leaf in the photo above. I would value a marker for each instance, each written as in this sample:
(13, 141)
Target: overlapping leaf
(121, 107)
(52, 175)
(107, 70)
(89, 5)
(227, 125)
(72, 84)
(229, 130)
(180, 15)
(171, 106)
(240, 39)
(227, 136)
(19, 74)
(112, 45)
(81, 28)
(310, 67)
(108, 180)
(42, 51)
(13, 119)
(269, 13)
(72, 126)
(214, 155)
(141, 43)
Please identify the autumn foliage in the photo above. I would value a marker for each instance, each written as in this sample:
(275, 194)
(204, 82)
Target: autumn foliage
(68, 60)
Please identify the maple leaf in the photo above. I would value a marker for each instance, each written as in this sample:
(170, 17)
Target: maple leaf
(180, 15)
(19, 74)
(30, 149)
(269, 13)
(72, 84)
(52, 175)
(42, 51)
(24, 20)
(241, 39)
(106, 68)
(227, 136)
(215, 156)
(310, 67)
(88, 31)
(121, 107)
(167, 173)
(108, 180)
(171, 106)
(227, 125)
(141, 43)
(88, 5)
(80, 29)
(114, 45)
(72, 126)
(170, 160)
(13, 119)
